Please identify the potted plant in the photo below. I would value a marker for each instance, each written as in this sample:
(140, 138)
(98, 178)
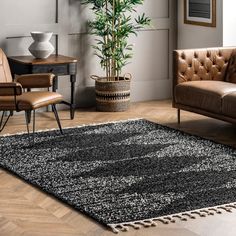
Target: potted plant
(113, 25)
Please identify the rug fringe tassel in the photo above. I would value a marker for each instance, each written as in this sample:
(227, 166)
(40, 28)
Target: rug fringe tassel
(116, 228)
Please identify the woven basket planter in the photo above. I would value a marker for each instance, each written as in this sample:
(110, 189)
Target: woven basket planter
(112, 96)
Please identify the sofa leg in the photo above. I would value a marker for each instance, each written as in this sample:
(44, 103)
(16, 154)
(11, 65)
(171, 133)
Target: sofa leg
(178, 115)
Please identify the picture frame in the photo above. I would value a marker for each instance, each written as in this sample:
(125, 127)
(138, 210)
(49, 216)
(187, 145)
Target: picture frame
(200, 12)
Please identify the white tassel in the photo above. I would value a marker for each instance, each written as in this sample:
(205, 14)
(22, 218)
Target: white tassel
(201, 214)
(181, 217)
(189, 215)
(138, 224)
(228, 209)
(171, 219)
(216, 210)
(135, 226)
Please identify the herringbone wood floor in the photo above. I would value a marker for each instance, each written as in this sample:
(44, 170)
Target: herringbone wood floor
(26, 211)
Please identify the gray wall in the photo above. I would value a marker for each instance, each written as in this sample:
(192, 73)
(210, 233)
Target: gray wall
(229, 19)
(151, 66)
(193, 36)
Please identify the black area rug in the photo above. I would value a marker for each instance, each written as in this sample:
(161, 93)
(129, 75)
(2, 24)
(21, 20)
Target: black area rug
(129, 173)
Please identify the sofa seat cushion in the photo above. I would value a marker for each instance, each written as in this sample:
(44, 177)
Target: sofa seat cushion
(229, 105)
(206, 95)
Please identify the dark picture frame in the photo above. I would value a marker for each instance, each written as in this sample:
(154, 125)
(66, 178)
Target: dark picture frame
(200, 12)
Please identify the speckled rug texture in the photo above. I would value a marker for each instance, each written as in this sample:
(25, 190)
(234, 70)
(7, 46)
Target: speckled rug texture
(127, 174)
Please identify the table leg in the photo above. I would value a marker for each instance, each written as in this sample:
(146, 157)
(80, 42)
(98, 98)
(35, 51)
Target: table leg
(55, 84)
(72, 98)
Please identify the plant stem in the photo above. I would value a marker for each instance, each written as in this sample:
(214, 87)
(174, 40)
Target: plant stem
(118, 46)
(113, 39)
(106, 41)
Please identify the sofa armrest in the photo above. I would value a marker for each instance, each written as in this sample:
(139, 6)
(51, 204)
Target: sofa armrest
(35, 80)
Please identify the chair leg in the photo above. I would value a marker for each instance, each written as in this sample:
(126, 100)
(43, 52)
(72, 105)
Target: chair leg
(54, 109)
(29, 116)
(33, 124)
(3, 124)
(178, 115)
(27, 121)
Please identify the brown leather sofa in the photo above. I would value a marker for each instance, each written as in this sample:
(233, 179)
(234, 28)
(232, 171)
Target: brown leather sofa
(204, 82)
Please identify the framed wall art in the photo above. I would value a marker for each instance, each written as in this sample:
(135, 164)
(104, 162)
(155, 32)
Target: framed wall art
(200, 12)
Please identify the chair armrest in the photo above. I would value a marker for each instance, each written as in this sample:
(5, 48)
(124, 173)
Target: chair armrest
(35, 80)
(10, 89)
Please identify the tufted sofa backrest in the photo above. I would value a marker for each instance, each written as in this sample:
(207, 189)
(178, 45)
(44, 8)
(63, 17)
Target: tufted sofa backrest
(200, 64)
(5, 73)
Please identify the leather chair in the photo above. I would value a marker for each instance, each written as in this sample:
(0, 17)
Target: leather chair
(13, 97)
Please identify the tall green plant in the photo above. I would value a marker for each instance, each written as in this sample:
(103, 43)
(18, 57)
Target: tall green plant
(113, 24)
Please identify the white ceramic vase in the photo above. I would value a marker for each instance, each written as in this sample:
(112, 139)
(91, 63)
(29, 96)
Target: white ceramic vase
(41, 47)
